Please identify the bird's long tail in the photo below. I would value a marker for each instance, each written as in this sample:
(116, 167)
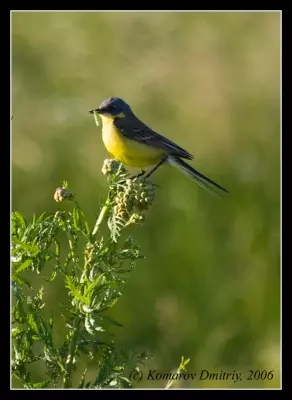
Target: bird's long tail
(206, 183)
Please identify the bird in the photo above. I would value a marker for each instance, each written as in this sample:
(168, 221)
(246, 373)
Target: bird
(135, 144)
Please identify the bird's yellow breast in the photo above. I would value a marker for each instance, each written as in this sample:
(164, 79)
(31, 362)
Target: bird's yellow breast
(127, 151)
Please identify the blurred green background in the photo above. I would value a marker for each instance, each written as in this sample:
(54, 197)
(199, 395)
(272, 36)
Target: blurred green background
(209, 288)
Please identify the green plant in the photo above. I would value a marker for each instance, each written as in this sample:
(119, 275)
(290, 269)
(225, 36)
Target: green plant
(94, 283)
(180, 370)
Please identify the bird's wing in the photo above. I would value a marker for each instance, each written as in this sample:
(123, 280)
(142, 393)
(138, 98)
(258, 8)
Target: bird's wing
(132, 128)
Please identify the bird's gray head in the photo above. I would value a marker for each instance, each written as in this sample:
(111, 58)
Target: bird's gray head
(113, 107)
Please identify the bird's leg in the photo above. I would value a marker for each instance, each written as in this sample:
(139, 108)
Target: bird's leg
(134, 177)
(162, 161)
(140, 174)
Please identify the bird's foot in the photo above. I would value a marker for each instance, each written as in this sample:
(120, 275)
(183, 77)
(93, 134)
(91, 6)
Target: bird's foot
(142, 173)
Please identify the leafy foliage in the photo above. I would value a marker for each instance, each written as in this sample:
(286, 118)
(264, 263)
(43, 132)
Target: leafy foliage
(94, 284)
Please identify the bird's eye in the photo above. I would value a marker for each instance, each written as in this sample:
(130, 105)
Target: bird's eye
(114, 107)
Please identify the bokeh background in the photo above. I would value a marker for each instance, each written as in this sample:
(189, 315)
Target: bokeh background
(209, 288)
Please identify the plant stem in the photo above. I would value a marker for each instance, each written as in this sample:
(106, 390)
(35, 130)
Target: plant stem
(72, 251)
(100, 219)
(76, 325)
(71, 353)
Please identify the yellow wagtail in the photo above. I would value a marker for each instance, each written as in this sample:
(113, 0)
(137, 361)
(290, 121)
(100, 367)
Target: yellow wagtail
(134, 144)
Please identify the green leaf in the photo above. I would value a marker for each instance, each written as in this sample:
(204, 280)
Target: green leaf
(92, 326)
(57, 244)
(24, 266)
(110, 320)
(16, 332)
(93, 285)
(42, 384)
(123, 271)
(53, 276)
(81, 384)
(82, 380)
(80, 297)
(32, 322)
(99, 329)
(113, 303)
(115, 224)
(51, 323)
(88, 326)
(125, 382)
(183, 363)
(41, 217)
(19, 218)
(76, 218)
(74, 291)
(20, 280)
(86, 227)
(30, 247)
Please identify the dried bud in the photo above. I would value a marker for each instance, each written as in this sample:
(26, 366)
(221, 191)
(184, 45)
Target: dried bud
(62, 194)
(111, 166)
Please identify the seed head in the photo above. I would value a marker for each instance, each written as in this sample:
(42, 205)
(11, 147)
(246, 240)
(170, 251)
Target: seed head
(62, 194)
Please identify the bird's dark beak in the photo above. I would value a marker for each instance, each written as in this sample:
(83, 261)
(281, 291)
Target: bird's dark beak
(97, 110)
